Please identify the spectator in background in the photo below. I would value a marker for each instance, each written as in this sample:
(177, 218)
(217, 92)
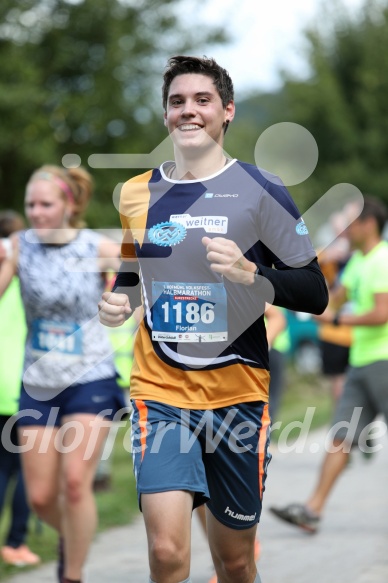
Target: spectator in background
(364, 282)
(69, 392)
(335, 340)
(279, 344)
(15, 551)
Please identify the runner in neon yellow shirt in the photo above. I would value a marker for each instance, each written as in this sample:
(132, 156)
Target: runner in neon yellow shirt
(365, 276)
(365, 283)
(13, 325)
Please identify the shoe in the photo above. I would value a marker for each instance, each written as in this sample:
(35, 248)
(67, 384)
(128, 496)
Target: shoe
(61, 560)
(257, 552)
(298, 515)
(19, 557)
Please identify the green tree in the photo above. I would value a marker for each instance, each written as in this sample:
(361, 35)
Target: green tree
(344, 102)
(83, 77)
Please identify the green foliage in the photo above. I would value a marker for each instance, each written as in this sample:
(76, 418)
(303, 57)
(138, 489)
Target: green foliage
(253, 116)
(301, 394)
(343, 103)
(84, 77)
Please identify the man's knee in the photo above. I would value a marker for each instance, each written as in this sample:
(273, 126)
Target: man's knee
(165, 553)
(237, 569)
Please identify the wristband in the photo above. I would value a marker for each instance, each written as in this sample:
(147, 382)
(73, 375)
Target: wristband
(336, 319)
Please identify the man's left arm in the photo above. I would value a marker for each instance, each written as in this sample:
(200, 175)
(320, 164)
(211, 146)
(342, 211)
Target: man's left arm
(301, 289)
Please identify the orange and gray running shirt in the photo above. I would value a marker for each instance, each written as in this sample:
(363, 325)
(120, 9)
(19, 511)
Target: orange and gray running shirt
(202, 342)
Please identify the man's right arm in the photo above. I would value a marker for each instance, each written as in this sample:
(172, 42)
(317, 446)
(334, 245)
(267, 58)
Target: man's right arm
(116, 306)
(128, 282)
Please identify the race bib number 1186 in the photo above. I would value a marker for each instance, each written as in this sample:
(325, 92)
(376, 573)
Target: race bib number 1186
(189, 312)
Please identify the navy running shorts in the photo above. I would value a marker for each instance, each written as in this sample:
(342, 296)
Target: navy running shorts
(103, 397)
(220, 455)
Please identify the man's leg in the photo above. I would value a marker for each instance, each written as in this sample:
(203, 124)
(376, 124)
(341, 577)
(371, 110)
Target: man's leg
(167, 517)
(232, 551)
(354, 411)
(307, 516)
(333, 465)
(79, 512)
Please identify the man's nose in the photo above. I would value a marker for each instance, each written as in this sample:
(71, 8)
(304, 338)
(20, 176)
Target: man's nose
(189, 108)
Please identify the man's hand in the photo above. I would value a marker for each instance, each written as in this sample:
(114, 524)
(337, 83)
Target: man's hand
(326, 317)
(226, 258)
(114, 309)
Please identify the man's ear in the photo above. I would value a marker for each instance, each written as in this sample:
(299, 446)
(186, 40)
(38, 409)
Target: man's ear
(230, 111)
(165, 119)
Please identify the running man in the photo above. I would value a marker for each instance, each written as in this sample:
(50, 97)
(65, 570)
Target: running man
(211, 240)
(365, 283)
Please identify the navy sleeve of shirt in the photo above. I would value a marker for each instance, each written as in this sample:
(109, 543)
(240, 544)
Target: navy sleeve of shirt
(300, 289)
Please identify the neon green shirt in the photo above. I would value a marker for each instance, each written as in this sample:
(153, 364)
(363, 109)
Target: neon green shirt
(282, 342)
(12, 338)
(122, 339)
(364, 276)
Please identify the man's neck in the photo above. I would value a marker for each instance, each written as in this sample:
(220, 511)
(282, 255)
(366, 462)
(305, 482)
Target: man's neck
(197, 168)
(370, 244)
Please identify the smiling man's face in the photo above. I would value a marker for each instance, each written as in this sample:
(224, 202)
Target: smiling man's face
(195, 112)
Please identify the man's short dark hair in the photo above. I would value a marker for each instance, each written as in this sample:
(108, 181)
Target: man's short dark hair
(181, 65)
(374, 207)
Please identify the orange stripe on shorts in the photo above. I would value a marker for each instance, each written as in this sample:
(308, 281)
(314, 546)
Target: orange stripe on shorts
(265, 423)
(143, 412)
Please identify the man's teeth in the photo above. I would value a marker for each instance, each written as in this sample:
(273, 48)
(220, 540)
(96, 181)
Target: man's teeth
(189, 126)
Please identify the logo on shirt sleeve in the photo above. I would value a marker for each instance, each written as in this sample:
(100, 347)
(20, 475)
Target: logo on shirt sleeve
(301, 228)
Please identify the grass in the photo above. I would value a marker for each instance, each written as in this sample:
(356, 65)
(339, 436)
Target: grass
(119, 506)
(300, 394)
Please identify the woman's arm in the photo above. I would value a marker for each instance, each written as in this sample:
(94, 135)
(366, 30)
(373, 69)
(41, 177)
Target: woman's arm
(109, 255)
(8, 265)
